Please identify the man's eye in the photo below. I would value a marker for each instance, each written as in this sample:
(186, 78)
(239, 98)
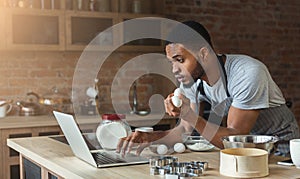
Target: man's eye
(180, 60)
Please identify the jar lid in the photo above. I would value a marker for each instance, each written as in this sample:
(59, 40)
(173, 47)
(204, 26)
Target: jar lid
(144, 129)
(113, 116)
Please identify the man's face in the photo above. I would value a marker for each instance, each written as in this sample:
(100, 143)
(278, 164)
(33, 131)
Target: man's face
(185, 66)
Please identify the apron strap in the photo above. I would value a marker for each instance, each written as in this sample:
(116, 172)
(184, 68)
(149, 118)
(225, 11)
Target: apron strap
(224, 75)
(200, 87)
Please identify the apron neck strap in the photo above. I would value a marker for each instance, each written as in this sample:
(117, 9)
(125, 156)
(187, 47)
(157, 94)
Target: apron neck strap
(221, 59)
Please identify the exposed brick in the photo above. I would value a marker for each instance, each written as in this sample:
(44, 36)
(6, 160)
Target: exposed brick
(183, 9)
(24, 82)
(185, 2)
(266, 29)
(3, 81)
(43, 73)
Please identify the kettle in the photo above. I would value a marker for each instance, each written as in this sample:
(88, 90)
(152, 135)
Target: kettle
(29, 108)
(54, 100)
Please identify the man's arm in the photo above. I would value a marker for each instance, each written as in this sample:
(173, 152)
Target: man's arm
(168, 137)
(172, 136)
(239, 122)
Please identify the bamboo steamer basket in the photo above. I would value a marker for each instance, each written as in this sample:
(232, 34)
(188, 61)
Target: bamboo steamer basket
(244, 162)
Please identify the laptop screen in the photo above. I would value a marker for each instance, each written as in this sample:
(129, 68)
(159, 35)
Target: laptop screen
(81, 150)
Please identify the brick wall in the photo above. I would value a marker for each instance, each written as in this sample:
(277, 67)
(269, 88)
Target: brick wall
(39, 72)
(266, 29)
(23, 72)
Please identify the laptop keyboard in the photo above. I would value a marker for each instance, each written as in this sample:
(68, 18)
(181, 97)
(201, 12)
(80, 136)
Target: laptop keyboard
(105, 158)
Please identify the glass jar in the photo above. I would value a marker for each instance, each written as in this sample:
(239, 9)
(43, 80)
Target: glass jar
(111, 129)
(136, 6)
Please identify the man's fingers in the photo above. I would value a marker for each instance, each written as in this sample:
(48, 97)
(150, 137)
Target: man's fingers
(126, 144)
(124, 147)
(141, 148)
(129, 147)
(120, 144)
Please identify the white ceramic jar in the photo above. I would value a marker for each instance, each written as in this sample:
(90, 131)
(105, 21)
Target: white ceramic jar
(111, 129)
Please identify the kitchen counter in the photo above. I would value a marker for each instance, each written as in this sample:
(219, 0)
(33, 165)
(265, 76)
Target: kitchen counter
(57, 158)
(11, 122)
(32, 126)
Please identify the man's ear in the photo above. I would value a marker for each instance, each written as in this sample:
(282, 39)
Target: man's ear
(203, 54)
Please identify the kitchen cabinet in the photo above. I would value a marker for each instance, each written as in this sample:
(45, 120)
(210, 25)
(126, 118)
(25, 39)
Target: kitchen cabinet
(35, 29)
(62, 26)
(142, 44)
(83, 26)
(2, 30)
(10, 161)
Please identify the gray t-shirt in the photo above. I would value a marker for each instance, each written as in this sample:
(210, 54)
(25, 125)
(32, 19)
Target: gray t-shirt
(250, 86)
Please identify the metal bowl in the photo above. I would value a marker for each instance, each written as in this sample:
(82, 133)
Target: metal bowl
(251, 141)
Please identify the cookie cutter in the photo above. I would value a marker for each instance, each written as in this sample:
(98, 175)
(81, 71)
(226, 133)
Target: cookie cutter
(180, 176)
(170, 167)
(201, 164)
(160, 161)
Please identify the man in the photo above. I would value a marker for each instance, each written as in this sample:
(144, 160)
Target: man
(238, 87)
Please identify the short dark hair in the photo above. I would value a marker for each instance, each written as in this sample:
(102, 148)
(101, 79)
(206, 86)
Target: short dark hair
(179, 33)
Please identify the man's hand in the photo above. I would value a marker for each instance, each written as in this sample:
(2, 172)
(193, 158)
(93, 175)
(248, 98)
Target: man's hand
(177, 111)
(137, 139)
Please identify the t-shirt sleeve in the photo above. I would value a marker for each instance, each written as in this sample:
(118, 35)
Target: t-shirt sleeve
(250, 88)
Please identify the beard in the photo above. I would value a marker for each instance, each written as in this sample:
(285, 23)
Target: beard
(196, 74)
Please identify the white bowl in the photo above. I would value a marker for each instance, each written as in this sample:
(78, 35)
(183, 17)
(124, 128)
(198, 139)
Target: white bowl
(197, 143)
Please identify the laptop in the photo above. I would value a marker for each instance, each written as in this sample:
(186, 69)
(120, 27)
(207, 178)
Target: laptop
(98, 158)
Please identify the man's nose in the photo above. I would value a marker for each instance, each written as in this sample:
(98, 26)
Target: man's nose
(175, 68)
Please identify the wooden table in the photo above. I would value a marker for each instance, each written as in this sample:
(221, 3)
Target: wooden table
(45, 125)
(57, 158)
